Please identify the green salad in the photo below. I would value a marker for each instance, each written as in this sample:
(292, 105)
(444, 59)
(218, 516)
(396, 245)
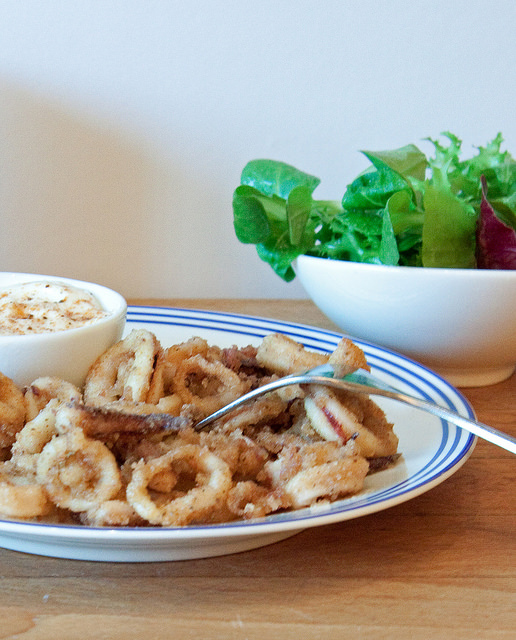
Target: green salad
(405, 209)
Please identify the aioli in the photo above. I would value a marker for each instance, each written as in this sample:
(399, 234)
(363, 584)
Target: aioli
(44, 307)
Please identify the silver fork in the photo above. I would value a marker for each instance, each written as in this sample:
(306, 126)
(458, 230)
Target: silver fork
(362, 381)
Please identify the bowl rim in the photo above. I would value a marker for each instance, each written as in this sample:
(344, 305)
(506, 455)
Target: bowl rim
(508, 274)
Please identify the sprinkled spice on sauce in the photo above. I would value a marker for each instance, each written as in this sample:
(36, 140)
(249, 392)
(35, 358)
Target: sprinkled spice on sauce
(44, 307)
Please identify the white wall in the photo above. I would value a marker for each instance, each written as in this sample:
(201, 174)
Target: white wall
(124, 125)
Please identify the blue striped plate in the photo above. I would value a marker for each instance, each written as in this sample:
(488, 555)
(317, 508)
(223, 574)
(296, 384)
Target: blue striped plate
(432, 450)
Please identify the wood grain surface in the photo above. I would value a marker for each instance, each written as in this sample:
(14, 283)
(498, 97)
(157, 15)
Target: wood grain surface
(441, 566)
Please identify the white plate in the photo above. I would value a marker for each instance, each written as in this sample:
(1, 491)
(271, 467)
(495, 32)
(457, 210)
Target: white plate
(432, 451)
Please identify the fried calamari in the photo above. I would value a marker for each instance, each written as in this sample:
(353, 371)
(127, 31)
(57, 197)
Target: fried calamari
(124, 452)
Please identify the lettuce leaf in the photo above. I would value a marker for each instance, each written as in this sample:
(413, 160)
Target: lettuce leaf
(449, 224)
(496, 240)
(273, 208)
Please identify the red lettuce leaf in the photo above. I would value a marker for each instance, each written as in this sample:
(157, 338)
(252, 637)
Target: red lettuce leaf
(496, 242)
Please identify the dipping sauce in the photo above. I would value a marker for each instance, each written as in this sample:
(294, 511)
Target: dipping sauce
(44, 307)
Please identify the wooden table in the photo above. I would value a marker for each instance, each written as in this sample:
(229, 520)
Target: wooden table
(441, 566)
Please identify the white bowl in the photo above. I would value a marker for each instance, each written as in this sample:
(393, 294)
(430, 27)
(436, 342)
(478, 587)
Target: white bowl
(459, 322)
(66, 354)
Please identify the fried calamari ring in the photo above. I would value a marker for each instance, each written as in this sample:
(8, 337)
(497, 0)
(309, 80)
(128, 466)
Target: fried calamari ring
(207, 385)
(12, 411)
(167, 363)
(331, 480)
(112, 513)
(284, 356)
(123, 372)
(159, 381)
(247, 499)
(346, 416)
(347, 357)
(44, 389)
(78, 473)
(243, 455)
(21, 497)
(177, 353)
(31, 440)
(23, 500)
(212, 478)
